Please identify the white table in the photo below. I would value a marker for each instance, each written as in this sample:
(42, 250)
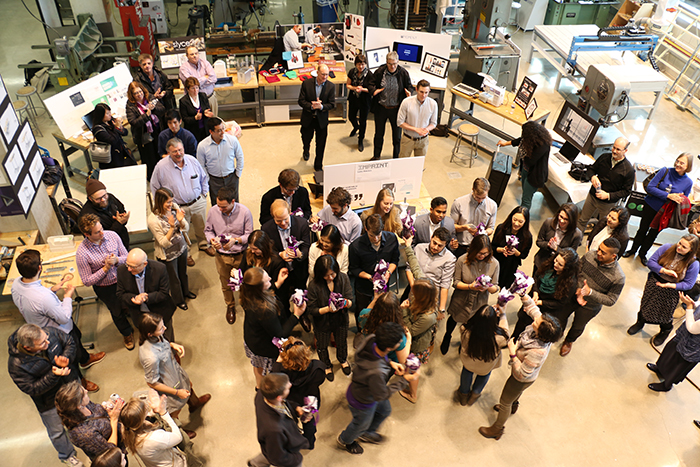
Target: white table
(129, 185)
(559, 176)
(554, 43)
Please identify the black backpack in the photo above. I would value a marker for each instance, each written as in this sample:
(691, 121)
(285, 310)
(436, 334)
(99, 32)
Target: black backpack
(70, 210)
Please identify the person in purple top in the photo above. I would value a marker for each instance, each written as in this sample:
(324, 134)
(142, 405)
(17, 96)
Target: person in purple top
(668, 184)
(673, 269)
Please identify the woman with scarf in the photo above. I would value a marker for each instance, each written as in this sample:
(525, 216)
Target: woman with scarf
(144, 116)
(361, 87)
(195, 110)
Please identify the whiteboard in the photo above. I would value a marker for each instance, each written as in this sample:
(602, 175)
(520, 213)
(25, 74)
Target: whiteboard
(363, 180)
(68, 107)
(129, 185)
(436, 44)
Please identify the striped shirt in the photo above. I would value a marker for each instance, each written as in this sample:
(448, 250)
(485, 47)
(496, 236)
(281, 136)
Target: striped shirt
(91, 259)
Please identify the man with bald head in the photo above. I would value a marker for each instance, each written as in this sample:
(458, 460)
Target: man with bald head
(316, 98)
(142, 287)
(612, 177)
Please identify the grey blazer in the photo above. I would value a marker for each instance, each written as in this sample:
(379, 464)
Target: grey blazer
(422, 225)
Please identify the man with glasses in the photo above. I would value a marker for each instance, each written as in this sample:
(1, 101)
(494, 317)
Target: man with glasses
(612, 177)
(234, 222)
(289, 190)
(469, 211)
(316, 98)
(189, 182)
(221, 156)
(393, 85)
(196, 67)
(143, 287)
(108, 209)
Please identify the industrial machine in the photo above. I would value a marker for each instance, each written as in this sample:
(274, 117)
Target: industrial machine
(79, 56)
(238, 12)
(606, 90)
(484, 45)
(155, 11)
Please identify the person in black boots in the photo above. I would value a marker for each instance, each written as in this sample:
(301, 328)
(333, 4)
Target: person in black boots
(361, 87)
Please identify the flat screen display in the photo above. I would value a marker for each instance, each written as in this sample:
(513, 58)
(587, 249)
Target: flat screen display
(576, 127)
(409, 52)
(376, 57)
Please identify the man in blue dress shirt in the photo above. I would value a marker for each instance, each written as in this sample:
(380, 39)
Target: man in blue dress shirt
(221, 156)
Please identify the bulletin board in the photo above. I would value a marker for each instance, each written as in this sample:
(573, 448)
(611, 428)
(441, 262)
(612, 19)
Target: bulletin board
(363, 180)
(435, 44)
(353, 35)
(68, 107)
(173, 51)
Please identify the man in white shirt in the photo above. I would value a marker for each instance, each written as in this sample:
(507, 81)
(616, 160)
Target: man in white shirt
(291, 39)
(438, 264)
(338, 213)
(470, 210)
(417, 116)
(314, 36)
(221, 156)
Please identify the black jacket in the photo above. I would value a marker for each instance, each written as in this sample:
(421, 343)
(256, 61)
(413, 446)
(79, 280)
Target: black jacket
(106, 217)
(304, 383)
(370, 374)
(279, 436)
(107, 133)
(300, 199)
(536, 164)
(260, 326)
(138, 121)
(363, 257)
(307, 94)
(169, 99)
(571, 239)
(318, 298)
(299, 229)
(404, 83)
(188, 112)
(32, 373)
(617, 181)
(623, 238)
(156, 285)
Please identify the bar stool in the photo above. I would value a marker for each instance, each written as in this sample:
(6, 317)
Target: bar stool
(470, 133)
(21, 106)
(26, 94)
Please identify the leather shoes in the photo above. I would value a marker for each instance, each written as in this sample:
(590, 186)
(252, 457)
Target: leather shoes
(658, 387)
(654, 368)
(491, 432)
(94, 358)
(200, 402)
(89, 385)
(190, 295)
(190, 434)
(183, 306)
(353, 132)
(628, 253)
(461, 398)
(635, 328)
(306, 156)
(374, 159)
(190, 261)
(210, 251)
(565, 348)
(330, 376)
(696, 423)
(660, 338)
(129, 341)
(361, 146)
(231, 314)
(643, 260)
(445, 346)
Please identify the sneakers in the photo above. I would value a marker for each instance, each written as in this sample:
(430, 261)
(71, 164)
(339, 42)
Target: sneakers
(352, 448)
(73, 462)
(373, 438)
(94, 358)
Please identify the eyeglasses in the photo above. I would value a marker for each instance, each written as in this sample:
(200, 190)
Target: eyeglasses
(100, 198)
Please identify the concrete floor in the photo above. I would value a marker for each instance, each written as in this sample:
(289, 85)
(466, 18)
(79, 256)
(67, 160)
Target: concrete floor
(590, 408)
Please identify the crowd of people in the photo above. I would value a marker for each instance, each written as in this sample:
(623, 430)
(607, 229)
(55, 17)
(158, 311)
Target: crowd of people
(458, 268)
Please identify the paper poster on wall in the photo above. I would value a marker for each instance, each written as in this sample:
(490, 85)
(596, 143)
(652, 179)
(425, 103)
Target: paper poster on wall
(9, 124)
(173, 50)
(325, 40)
(26, 140)
(365, 171)
(353, 34)
(435, 65)
(13, 164)
(26, 194)
(36, 169)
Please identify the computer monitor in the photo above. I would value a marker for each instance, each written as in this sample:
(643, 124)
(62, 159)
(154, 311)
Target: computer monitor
(376, 57)
(473, 80)
(409, 52)
(577, 128)
(89, 119)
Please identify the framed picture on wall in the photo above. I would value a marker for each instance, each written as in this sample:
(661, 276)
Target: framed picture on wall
(434, 65)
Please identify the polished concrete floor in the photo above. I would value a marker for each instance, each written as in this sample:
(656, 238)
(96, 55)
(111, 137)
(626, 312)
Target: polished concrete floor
(589, 408)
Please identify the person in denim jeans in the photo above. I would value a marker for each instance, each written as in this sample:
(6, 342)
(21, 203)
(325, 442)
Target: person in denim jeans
(368, 394)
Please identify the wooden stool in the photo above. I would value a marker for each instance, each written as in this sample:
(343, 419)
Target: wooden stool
(26, 94)
(21, 106)
(470, 133)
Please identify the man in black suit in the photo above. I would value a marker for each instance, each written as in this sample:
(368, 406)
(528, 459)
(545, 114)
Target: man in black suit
(316, 98)
(290, 191)
(427, 224)
(279, 229)
(143, 287)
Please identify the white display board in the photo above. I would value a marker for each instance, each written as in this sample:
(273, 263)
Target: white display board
(435, 44)
(68, 107)
(129, 185)
(353, 32)
(363, 180)
(531, 14)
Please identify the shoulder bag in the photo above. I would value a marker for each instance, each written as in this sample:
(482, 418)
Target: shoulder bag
(100, 152)
(648, 180)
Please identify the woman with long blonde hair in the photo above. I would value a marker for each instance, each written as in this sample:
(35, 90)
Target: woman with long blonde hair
(384, 206)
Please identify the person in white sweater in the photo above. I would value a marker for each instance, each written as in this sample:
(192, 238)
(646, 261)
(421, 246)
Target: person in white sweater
(154, 446)
(527, 356)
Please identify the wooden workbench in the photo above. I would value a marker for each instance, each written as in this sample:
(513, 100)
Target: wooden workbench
(47, 255)
(73, 145)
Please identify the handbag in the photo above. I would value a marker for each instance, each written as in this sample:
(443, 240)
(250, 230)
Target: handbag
(648, 180)
(579, 172)
(100, 152)
(502, 163)
(146, 138)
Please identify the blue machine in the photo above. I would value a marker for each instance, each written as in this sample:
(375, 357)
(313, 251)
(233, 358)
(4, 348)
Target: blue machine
(644, 44)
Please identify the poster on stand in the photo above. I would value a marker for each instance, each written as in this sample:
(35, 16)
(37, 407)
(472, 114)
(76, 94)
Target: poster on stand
(36, 168)
(173, 51)
(353, 29)
(26, 194)
(9, 124)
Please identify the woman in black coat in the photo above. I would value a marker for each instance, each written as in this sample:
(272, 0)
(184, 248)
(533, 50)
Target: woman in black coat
(613, 225)
(145, 117)
(558, 232)
(195, 110)
(510, 259)
(109, 129)
(535, 143)
(361, 86)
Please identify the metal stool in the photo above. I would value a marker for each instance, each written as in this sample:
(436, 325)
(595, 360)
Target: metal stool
(466, 130)
(21, 106)
(26, 94)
